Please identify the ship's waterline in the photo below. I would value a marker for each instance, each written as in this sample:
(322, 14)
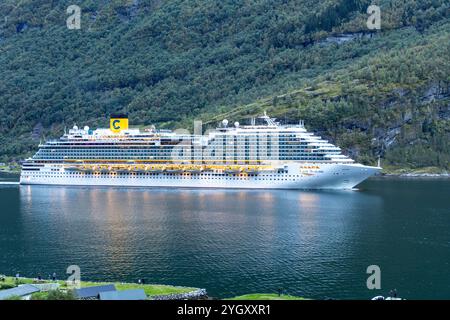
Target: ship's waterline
(264, 155)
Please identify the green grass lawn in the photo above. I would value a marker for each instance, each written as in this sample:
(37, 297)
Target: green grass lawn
(10, 281)
(266, 296)
(150, 289)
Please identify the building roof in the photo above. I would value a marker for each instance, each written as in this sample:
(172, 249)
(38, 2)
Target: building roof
(90, 292)
(21, 291)
(47, 286)
(135, 294)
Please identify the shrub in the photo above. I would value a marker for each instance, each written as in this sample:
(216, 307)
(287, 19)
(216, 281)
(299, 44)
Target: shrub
(5, 286)
(61, 295)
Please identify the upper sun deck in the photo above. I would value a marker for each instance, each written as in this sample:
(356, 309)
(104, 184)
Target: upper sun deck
(263, 137)
(263, 124)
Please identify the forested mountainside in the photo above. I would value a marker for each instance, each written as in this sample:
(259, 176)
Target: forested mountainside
(373, 92)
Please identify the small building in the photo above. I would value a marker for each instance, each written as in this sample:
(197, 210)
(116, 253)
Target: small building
(135, 294)
(92, 293)
(23, 291)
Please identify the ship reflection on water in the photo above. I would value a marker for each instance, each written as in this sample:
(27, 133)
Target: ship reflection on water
(231, 242)
(217, 239)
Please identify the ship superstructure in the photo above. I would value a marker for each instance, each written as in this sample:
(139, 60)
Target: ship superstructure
(264, 154)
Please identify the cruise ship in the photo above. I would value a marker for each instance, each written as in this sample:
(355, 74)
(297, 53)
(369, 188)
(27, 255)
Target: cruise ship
(263, 154)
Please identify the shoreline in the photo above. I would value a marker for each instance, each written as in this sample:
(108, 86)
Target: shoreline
(153, 291)
(412, 175)
(415, 175)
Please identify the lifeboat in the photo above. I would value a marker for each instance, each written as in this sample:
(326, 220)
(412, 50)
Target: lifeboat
(72, 168)
(194, 170)
(174, 170)
(232, 170)
(252, 170)
(155, 169)
(104, 170)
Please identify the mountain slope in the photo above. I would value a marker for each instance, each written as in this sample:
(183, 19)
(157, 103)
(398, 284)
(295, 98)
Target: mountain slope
(168, 62)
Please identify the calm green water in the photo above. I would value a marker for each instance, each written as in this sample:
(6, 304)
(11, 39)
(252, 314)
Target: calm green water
(313, 244)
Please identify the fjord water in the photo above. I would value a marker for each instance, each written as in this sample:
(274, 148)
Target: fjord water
(316, 244)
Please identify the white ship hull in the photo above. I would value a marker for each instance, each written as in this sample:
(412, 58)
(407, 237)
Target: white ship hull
(324, 176)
